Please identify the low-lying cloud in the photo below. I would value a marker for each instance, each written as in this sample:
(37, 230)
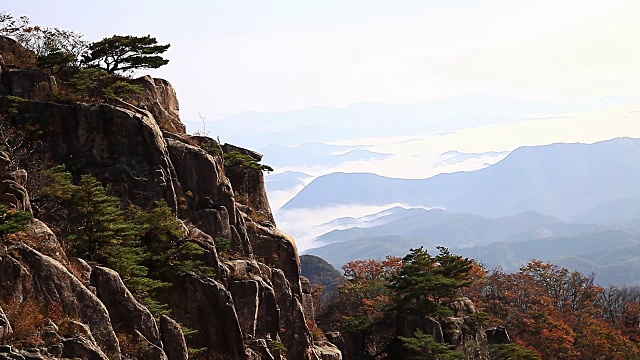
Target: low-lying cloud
(307, 224)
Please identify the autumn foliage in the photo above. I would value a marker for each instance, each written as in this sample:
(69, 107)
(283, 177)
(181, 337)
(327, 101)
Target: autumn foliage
(378, 292)
(550, 312)
(361, 307)
(557, 313)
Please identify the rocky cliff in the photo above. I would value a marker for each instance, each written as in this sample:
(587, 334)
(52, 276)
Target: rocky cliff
(252, 308)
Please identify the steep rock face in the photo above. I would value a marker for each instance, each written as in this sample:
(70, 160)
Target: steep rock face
(497, 335)
(161, 101)
(277, 249)
(12, 191)
(29, 84)
(204, 305)
(125, 312)
(27, 274)
(208, 193)
(118, 146)
(234, 317)
(173, 339)
(459, 329)
(296, 335)
(14, 54)
(249, 186)
(200, 174)
(5, 326)
(258, 312)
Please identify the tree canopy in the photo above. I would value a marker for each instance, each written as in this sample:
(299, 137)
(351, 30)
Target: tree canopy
(123, 53)
(425, 280)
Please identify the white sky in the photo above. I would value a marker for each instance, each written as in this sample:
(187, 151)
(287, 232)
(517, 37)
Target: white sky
(240, 55)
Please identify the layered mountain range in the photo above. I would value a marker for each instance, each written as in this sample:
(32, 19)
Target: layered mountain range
(562, 180)
(573, 204)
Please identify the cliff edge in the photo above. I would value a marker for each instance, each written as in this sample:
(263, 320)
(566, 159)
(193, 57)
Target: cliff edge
(250, 306)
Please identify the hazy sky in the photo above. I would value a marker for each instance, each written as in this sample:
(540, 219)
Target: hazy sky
(233, 56)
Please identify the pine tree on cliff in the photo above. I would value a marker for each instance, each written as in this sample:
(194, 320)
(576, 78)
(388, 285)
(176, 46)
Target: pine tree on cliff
(123, 53)
(424, 280)
(102, 221)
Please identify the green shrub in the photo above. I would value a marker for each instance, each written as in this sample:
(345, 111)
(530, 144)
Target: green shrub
(121, 89)
(55, 60)
(10, 105)
(426, 347)
(360, 323)
(90, 82)
(511, 352)
(222, 244)
(12, 221)
(94, 226)
(245, 162)
(277, 346)
(186, 260)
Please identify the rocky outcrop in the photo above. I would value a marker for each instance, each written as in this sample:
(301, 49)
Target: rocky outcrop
(5, 326)
(126, 313)
(307, 300)
(144, 349)
(12, 191)
(459, 329)
(253, 301)
(39, 236)
(28, 274)
(28, 84)
(15, 55)
(325, 350)
(160, 99)
(249, 186)
(79, 347)
(497, 335)
(173, 339)
(347, 348)
(462, 307)
(205, 305)
(19, 77)
(120, 147)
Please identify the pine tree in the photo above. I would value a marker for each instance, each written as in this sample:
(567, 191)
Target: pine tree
(424, 280)
(140, 245)
(123, 53)
(101, 222)
(425, 347)
(12, 221)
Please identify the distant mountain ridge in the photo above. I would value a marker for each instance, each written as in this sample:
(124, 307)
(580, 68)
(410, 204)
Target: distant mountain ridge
(326, 124)
(315, 154)
(285, 180)
(560, 179)
(612, 254)
(619, 210)
(440, 227)
(453, 156)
